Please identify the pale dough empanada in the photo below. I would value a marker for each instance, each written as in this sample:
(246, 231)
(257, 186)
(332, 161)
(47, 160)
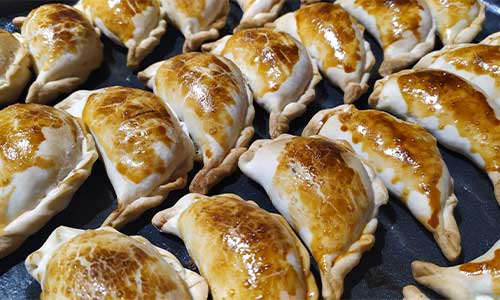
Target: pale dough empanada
(477, 63)
(335, 41)
(137, 25)
(404, 29)
(209, 94)
(406, 158)
(326, 194)
(457, 114)
(106, 264)
(45, 156)
(492, 39)
(144, 149)
(478, 279)
(243, 251)
(411, 292)
(457, 21)
(15, 65)
(278, 69)
(198, 20)
(258, 12)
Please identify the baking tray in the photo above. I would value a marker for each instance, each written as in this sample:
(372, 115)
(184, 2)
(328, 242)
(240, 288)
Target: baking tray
(400, 239)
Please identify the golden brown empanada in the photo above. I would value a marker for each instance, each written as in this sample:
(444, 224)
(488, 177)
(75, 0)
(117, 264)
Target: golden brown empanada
(106, 264)
(278, 70)
(209, 94)
(64, 47)
(144, 149)
(45, 156)
(492, 39)
(258, 12)
(243, 251)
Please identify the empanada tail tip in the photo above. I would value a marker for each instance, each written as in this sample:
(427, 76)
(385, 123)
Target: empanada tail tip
(9, 243)
(424, 272)
(278, 124)
(138, 51)
(194, 41)
(411, 292)
(354, 91)
(468, 34)
(375, 95)
(18, 21)
(447, 235)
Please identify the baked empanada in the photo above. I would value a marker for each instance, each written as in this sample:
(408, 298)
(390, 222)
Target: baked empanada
(411, 292)
(209, 94)
(335, 40)
(198, 20)
(258, 12)
(278, 69)
(492, 39)
(64, 46)
(457, 21)
(404, 29)
(478, 279)
(144, 149)
(137, 25)
(106, 264)
(326, 194)
(477, 63)
(456, 113)
(15, 65)
(406, 158)
(243, 251)
(45, 156)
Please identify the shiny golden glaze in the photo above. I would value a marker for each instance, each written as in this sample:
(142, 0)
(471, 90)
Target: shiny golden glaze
(9, 46)
(491, 267)
(329, 28)
(127, 124)
(451, 12)
(207, 86)
(192, 9)
(56, 29)
(117, 15)
(104, 265)
(21, 135)
(455, 102)
(327, 196)
(406, 148)
(393, 18)
(247, 249)
(271, 55)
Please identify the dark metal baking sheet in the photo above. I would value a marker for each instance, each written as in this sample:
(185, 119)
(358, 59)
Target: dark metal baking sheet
(400, 239)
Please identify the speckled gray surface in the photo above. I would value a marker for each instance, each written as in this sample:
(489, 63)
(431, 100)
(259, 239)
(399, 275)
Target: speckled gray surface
(399, 240)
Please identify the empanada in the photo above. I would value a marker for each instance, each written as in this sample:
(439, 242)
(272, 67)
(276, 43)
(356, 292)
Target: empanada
(278, 69)
(478, 279)
(492, 39)
(144, 149)
(15, 65)
(326, 194)
(64, 47)
(198, 20)
(335, 40)
(404, 29)
(456, 113)
(406, 158)
(477, 63)
(411, 292)
(106, 264)
(137, 25)
(258, 12)
(243, 251)
(45, 156)
(457, 21)
(209, 94)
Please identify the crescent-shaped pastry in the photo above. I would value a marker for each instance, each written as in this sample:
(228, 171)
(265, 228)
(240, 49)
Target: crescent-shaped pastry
(456, 113)
(406, 158)
(256, 13)
(106, 264)
(198, 20)
(411, 292)
(144, 149)
(492, 39)
(243, 251)
(326, 194)
(137, 25)
(45, 156)
(15, 65)
(65, 48)
(404, 29)
(478, 279)
(278, 69)
(209, 94)
(335, 40)
(457, 21)
(477, 63)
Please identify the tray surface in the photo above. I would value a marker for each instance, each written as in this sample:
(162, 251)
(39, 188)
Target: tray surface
(400, 239)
